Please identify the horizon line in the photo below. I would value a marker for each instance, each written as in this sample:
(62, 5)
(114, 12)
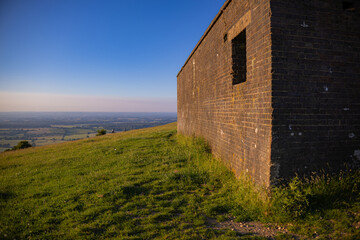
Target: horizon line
(83, 112)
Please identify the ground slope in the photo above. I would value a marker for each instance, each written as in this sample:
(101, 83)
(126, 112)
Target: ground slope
(126, 185)
(142, 184)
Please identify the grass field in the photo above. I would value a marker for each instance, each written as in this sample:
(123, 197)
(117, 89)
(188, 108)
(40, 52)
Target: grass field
(43, 136)
(155, 184)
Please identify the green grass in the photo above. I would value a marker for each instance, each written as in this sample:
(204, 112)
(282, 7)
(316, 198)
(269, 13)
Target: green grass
(155, 184)
(323, 206)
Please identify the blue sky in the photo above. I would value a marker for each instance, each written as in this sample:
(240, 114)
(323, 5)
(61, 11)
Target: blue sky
(125, 51)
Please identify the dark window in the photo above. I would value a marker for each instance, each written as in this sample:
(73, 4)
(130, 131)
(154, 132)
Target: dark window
(348, 5)
(225, 37)
(239, 58)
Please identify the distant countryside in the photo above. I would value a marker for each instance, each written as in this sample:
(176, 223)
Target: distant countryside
(41, 129)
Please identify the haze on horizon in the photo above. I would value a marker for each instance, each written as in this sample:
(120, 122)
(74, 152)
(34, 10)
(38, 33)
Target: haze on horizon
(97, 56)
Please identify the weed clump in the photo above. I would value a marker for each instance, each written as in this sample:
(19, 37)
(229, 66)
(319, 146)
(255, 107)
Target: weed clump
(322, 205)
(101, 132)
(316, 194)
(292, 199)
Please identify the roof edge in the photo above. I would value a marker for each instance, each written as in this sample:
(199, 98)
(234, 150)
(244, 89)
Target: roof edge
(206, 33)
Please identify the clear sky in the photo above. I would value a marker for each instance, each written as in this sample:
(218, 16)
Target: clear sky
(97, 55)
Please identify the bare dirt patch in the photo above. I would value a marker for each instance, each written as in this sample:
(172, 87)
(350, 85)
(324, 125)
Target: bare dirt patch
(269, 231)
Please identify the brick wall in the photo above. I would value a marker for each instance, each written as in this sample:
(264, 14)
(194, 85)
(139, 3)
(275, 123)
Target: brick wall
(299, 109)
(234, 119)
(316, 85)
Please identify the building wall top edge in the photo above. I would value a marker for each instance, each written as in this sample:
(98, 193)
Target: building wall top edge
(206, 33)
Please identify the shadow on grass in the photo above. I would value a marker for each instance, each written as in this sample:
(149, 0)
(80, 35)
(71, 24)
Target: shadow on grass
(133, 190)
(6, 195)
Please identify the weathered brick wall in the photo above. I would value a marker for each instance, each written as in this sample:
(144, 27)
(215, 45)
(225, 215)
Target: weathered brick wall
(316, 85)
(234, 119)
(299, 109)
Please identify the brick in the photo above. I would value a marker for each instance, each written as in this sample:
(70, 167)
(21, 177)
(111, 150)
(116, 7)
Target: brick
(302, 71)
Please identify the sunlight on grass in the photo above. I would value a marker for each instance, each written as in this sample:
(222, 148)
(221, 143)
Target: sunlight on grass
(155, 184)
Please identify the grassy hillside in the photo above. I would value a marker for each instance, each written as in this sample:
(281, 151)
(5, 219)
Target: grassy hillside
(153, 184)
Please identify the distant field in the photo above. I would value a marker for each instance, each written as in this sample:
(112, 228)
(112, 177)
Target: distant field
(48, 128)
(42, 136)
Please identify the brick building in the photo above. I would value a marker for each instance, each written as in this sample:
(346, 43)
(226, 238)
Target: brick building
(274, 87)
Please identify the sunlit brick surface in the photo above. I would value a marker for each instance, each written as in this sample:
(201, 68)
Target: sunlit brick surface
(299, 107)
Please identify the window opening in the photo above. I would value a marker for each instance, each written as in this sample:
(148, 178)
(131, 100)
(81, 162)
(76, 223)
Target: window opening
(239, 58)
(348, 5)
(225, 37)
